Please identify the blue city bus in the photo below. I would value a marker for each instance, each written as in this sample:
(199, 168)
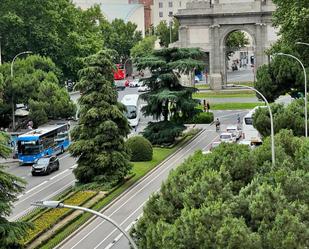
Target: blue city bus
(46, 140)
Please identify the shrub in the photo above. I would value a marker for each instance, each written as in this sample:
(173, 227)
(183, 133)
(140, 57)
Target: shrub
(163, 133)
(202, 118)
(141, 149)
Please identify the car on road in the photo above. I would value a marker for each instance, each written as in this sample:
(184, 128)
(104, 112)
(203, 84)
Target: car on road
(227, 137)
(212, 146)
(235, 130)
(45, 165)
(134, 83)
(143, 88)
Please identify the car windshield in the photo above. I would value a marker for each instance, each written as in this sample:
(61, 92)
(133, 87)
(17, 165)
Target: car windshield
(43, 161)
(231, 130)
(249, 121)
(225, 136)
(131, 112)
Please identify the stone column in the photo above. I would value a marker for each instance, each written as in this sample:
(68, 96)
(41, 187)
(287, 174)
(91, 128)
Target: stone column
(215, 77)
(260, 56)
(183, 36)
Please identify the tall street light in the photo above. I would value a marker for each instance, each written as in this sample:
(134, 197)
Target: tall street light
(271, 121)
(58, 204)
(12, 75)
(305, 75)
(302, 43)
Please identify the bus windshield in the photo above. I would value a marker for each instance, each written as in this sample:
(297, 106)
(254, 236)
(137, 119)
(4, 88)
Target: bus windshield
(29, 149)
(131, 112)
(249, 121)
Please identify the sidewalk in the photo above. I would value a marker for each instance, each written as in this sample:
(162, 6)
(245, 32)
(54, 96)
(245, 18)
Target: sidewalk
(7, 161)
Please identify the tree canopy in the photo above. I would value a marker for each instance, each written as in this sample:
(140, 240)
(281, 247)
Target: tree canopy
(10, 232)
(36, 85)
(121, 37)
(164, 32)
(143, 48)
(235, 41)
(53, 28)
(102, 127)
(232, 198)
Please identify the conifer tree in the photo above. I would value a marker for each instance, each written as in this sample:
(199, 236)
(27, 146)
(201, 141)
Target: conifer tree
(10, 186)
(102, 127)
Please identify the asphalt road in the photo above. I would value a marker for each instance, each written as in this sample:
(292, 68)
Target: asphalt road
(128, 208)
(41, 187)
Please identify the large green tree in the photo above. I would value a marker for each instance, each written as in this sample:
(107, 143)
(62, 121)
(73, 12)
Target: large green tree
(10, 232)
(36, 85)
(235, 41)
(167, 32)
(54, 28)
(144, 48)
(121, 37)
(232, 198)
(102, 127)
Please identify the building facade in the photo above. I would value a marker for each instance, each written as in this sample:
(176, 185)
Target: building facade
(163, 10)
(147, 11)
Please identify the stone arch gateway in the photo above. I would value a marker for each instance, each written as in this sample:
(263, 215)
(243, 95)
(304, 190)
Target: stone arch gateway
(206, 24)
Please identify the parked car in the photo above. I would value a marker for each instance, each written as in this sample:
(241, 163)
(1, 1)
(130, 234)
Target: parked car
(134, 83)
(45, 165)
(235, 130)
(143, 88)
(227, 137)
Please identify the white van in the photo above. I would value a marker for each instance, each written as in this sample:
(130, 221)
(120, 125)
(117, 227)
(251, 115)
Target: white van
(133, 105)
(249, 133)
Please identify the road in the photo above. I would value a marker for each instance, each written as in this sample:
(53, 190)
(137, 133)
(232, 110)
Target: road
(126, 209)
(243, 75)
(41, 187)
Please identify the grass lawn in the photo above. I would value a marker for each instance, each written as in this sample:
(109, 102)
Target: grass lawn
(224, 94)
(204, 86)
(235, 106)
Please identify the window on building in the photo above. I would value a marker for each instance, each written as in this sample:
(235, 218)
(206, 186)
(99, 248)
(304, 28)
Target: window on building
(160, 5)
(179, 3)
(160, 14)
(170, 4)
(170, 13)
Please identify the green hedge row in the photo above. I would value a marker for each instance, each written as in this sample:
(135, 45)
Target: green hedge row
(202, 118)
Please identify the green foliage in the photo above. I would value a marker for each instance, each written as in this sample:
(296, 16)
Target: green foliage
(143, 48)
(121, 37)
(235, 41)
(229, 199)
(141, 149)
(164, 32)
(202, 118)
(55, 28)
(99, 136)
(167, 97)
(283, 75)
(163, 133)
(290, 117)
(10, 232)
(35, 84)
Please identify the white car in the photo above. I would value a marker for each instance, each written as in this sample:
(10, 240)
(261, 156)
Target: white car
(143, 88)
(227, 137)
(235, 130)
(134, 83)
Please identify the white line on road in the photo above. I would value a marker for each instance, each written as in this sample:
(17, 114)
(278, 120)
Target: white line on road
(194, 142)
(61, 173)
(42, 183)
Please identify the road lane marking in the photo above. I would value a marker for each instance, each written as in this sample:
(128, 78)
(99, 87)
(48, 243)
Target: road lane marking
(190, 145)
(211, 142)
(29, 191)
(61, 173)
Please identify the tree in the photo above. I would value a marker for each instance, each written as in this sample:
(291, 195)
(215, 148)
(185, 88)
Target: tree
(229, 199)
(121, 37)
(55, 28)
(10, 232)
(99, 136)
(235, 41)
(36, 85)
(143, 48)
(165, 32)
(291, 117)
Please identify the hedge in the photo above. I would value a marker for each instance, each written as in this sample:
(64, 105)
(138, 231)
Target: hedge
(45, 221)
(202, 118)
(140, 148)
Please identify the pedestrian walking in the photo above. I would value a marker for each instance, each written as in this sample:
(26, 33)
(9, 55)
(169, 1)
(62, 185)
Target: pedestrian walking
(207, 106)
(204, 105)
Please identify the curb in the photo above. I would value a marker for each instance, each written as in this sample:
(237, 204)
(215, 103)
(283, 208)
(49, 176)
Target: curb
(125, 192)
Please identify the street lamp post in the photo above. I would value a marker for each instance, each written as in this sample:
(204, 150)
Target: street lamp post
(12, 75)
(58, 204)
(271, 121)
(305, 75)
